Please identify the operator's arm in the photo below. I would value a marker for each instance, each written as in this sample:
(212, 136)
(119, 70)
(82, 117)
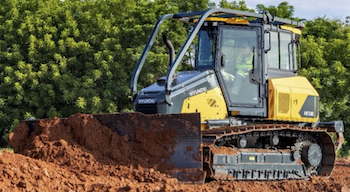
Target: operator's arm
(227, 76)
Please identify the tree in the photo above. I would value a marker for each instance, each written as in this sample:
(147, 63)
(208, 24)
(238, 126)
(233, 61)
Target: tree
(325, 57)
(240, 5)
(324, 28)
(186, 5)
(283, 10)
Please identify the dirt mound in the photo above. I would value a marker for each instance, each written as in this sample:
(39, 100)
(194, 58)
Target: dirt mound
(21, 173)
(81, 140)
(80, 154)
(81, 149)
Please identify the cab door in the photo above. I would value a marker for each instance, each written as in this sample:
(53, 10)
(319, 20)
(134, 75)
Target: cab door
(238, 66)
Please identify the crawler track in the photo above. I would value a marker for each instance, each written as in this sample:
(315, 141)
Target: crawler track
(261, 161)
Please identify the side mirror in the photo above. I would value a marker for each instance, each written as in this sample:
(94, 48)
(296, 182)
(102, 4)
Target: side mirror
(223, 60)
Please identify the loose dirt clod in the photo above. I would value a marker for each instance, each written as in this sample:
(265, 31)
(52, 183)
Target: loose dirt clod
(79, 154)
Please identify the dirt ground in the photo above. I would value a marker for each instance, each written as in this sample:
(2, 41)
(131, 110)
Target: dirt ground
(79, 154)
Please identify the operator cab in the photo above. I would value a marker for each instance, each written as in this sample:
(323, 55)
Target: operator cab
(235, 57)
(244, 56)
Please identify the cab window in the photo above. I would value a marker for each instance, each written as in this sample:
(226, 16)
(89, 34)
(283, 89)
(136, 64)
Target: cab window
(285, 43)
(206, 49)
(280, 53)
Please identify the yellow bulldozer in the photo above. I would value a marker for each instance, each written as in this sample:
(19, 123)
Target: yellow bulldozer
(242, 113)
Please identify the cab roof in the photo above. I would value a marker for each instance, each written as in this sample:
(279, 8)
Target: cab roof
(228, 15)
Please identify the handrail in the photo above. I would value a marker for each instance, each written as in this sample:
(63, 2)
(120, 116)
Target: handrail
(141, 62)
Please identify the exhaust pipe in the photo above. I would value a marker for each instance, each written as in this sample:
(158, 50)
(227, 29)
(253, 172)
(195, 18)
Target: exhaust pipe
(170, 47)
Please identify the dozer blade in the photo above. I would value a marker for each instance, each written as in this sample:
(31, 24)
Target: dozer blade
(172, 142)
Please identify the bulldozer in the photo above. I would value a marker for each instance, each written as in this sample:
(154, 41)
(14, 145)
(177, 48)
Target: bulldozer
(242, 113)
(258, 119)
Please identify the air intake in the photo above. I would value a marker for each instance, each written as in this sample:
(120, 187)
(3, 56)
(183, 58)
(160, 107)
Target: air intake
(283, 102)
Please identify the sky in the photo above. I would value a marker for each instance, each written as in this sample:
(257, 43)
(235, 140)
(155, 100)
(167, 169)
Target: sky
(308, 9)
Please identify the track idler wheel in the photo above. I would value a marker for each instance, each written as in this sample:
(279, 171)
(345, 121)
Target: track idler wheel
(311, 154)
(242, 142)
(274, 140)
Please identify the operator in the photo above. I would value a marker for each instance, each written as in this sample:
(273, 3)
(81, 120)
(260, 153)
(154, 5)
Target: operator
(245, 59)
(238, 59)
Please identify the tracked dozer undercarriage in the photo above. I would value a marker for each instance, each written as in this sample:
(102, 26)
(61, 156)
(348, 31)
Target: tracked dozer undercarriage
(242, 113)
(279, 151)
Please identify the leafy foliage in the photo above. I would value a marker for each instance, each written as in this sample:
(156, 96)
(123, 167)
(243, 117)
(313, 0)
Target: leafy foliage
(325, 56)
(283, 10)
(240, 5)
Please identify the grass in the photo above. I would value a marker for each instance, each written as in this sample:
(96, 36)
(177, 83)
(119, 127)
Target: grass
(6, 148)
